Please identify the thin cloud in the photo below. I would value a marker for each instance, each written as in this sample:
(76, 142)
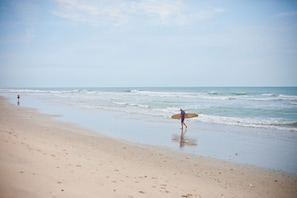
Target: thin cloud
(163, 12)
(121, 12)
(286, 14)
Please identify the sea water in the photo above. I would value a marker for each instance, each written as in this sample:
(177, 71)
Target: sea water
(254, 125)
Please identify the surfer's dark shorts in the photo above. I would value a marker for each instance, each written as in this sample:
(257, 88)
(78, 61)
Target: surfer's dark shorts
(182, 120)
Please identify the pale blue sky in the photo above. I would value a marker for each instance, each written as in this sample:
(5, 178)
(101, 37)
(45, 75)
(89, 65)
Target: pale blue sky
(102, 43)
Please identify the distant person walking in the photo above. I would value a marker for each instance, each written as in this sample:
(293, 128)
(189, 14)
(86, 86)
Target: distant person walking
(19, 96)
(182, 119)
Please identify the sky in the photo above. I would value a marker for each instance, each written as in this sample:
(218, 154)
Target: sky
(148, 43)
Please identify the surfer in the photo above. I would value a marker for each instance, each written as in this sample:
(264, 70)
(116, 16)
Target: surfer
(182, 119)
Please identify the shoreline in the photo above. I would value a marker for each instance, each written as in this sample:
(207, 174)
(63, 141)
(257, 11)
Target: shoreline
(266, 148)
(270, 149)
(44, 157)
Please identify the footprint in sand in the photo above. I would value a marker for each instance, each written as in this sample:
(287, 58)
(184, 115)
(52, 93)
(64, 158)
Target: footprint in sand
(187, 195)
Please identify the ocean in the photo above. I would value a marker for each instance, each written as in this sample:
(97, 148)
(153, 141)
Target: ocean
(241, 124)
(254, 107)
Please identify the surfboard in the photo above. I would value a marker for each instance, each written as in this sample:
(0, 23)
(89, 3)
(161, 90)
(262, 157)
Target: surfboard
(187, 115)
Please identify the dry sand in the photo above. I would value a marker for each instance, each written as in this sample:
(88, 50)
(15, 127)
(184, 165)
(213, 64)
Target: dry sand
(42, 157)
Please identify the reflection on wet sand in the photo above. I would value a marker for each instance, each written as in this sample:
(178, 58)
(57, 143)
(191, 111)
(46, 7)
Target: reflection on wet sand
(184, 140)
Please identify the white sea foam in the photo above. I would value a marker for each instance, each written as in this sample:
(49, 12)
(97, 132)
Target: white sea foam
(248, 122)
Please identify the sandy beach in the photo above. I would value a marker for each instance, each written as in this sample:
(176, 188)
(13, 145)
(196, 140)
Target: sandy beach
(43, 157)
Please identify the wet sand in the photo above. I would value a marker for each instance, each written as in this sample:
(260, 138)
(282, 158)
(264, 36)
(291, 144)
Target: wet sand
(43, 157)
